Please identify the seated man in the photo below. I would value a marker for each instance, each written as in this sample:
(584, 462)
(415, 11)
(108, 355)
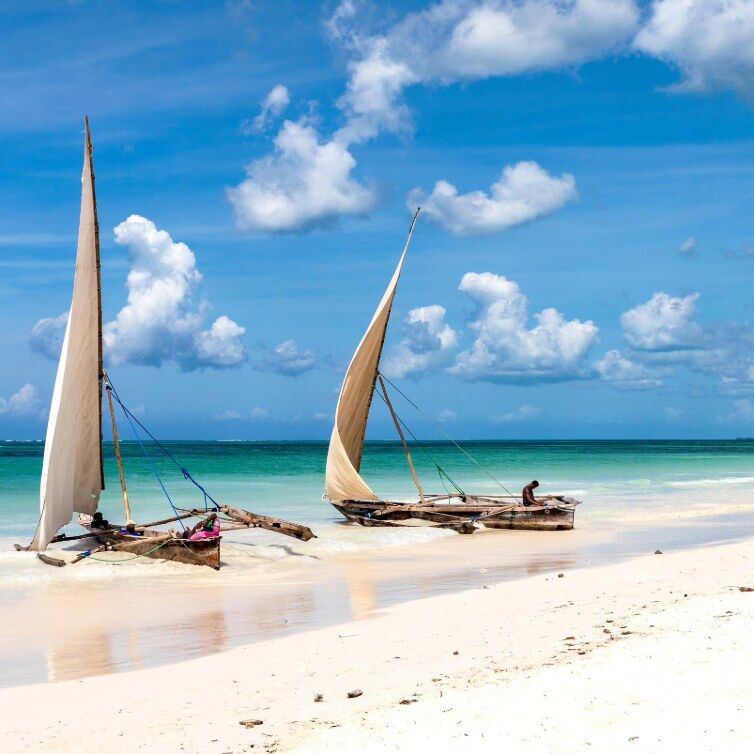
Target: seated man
(208, 528)
(130, 528)
(98, 522)
(528, 493)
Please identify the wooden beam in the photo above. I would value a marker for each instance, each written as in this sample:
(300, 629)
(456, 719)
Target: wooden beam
(255, 521)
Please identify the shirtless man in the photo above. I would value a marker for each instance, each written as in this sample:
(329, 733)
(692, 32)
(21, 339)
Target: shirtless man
(528, 493)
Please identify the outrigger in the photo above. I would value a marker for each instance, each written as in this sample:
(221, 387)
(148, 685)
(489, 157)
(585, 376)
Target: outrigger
(73, 473)
(350, 494)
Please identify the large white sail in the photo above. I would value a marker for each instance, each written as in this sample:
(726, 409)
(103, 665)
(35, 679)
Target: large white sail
(72, 476)
(342, 478)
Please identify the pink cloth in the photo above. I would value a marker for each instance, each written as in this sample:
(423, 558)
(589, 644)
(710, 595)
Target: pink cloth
(203, 534)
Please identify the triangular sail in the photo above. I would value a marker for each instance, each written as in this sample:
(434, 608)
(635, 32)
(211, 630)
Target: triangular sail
(72, 474)
(342, 478)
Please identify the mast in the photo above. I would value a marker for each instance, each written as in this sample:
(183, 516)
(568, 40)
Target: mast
(397, 423)
(100, 355)
(116, 443)
(342, 478)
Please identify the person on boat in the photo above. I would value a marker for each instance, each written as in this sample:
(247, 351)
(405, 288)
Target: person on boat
(527, 495)
(130, 528)
(98, 522)
(208, 528)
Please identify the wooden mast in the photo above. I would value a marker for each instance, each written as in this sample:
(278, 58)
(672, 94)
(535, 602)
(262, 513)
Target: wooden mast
(397, 423)
(116, 442)
(90, 153)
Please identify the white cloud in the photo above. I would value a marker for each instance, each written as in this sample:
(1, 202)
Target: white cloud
(320, 416)
(229, 415)
(524, 192)
(288, 359)
(47, 335)
(688, 247)
(743, 411)
(521, 414)
(462, 40)
(258, 413)
(672, 413)
(621, 372)
(428, 343)
(446, 415)
(273, 105)
(506, 349)
(22, 403)
(664, 323)
(162, 321)
(305, 183)
(711, 42)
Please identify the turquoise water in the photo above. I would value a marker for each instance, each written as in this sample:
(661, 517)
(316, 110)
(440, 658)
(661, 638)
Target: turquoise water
(615, 480)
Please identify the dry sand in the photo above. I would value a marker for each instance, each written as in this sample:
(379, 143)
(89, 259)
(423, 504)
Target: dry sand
(652, 654)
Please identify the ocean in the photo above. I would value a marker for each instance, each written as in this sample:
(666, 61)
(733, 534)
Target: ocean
(616, 480)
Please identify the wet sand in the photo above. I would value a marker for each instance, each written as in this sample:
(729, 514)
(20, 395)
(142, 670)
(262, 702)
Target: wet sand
(644, 655)
(98, 618)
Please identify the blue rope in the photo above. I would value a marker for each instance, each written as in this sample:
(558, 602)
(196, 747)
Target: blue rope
(144, 450)
(183, 469)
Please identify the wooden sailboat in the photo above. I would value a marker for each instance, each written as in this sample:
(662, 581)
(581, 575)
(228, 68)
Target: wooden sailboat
(73, 470)
(350, 494)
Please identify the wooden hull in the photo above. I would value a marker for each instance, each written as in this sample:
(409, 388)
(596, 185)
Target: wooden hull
(154, 544)
(555, 516)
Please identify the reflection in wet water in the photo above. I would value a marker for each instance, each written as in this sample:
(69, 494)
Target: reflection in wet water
(71, 629)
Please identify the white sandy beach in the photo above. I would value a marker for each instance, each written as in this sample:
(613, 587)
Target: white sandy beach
(651, 654)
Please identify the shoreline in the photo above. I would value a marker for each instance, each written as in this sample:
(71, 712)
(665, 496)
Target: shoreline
(511, 638)
(81, 621)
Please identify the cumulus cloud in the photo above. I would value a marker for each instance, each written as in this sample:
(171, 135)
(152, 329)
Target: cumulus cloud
(22, 403)
(524, 192)
(287, 359)
(711, 42)
(258, 413)
(521, 414)
(428, 343)
(305, 183)
(447, 415)
(664, 323)
(273, 105)
(672, 413)
(688, 247)
(506, 349)
(46, 337)
(619, 371)
(162, 320)
(462, 40)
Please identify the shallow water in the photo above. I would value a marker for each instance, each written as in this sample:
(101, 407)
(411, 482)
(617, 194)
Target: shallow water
(99, 616)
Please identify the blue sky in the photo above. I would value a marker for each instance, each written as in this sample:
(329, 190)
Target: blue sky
(596, 162)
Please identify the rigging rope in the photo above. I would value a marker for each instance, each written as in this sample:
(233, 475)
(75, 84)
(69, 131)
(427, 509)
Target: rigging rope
(183, 469)
(129, 415)
(442, 429)
(442, 473)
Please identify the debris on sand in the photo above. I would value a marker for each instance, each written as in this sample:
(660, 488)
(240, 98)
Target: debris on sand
(355, 693)
(319, 698)
(658, 552)
(250, 723)
(746, 588)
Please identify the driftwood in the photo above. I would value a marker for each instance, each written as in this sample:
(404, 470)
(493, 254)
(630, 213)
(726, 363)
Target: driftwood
(256, 521)
(51, 561)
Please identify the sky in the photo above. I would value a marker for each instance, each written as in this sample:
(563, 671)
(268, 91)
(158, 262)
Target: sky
(581, 267)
